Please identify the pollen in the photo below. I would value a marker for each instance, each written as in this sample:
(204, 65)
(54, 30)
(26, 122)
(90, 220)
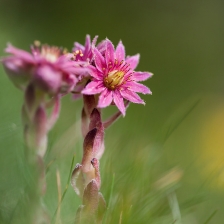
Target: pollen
(114, 79)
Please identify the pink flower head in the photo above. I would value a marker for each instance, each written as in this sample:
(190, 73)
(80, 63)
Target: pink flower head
(114, 78)
(84, 53)
(47, 67)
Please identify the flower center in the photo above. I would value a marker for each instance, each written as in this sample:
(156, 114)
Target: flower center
(114, 79)
(51, 53)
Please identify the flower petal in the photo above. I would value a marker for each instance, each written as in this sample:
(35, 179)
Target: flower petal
(109, 56)
(78, 46)
(99, 60)
(105, 98)
(95, 73)
(87, 45)
(93, 87)
(133, 60)
(18, 70)
(69, 68)
(68, 83)
(137, 87)
(120, 52)
(47, 78)
(102, 47)
(94, 41)
(141, 76)
(131, 96)
(118, 100)
(27, 57)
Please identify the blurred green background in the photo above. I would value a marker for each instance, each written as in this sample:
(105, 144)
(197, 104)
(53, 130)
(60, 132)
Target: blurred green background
(181, 127)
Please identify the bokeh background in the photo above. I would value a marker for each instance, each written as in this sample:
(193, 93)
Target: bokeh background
(171, 148)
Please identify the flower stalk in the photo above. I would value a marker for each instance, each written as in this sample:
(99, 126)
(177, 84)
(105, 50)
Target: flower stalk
(99, 73)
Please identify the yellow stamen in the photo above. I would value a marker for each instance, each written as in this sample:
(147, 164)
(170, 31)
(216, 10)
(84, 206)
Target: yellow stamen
(114, 79)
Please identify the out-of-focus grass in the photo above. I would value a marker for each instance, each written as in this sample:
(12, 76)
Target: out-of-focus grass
(180, 128)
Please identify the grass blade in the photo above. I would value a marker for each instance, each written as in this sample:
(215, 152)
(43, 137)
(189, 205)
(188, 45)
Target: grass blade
(66, 188)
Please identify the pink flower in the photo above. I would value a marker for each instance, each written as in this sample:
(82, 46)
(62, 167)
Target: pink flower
(46, 67)
(84, 54)
(113, 77)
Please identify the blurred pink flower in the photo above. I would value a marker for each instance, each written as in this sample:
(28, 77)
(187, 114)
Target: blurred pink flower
(46, 67)
(113, 77)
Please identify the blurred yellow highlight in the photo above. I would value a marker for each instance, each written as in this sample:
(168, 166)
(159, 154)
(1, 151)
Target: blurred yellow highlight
(212, 144)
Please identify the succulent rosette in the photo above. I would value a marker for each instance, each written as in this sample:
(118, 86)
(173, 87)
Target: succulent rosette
(114, 78)
(46, 67)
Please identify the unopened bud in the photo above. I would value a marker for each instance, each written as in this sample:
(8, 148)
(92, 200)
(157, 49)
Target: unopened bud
(88, 150)
(90, 197)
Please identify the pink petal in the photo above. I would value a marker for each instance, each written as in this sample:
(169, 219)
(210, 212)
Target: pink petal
(133, 60)
(118, 100)
(105, 98)
(95, 73)
(109, 56)
(18, 70)
(120, 52)
(68, 83)
(47, 78)
(74, 70)
(99, 60)
(102, 46)
(78, 46)
(137, 87)
(131, 96)
(93, 87)
(141, 76)
(87, 45)
(94, 41)
(27, 57)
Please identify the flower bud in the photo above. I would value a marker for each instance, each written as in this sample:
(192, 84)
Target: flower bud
(88, 150)
(90, 197)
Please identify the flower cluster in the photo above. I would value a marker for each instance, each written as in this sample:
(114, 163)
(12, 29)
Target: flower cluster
(99, 73)
(99, 70)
